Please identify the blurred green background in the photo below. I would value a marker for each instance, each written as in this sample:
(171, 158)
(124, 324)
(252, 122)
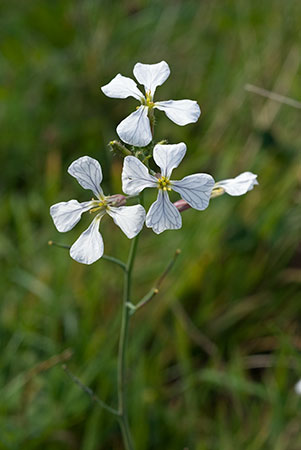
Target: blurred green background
(215, 357)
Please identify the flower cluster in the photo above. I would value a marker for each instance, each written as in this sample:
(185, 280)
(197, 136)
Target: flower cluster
(137, 130)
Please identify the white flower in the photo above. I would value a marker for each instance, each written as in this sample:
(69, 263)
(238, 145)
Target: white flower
(135, 129)
(195, 189)
(238, 185)
(89, 246)
(298, 387)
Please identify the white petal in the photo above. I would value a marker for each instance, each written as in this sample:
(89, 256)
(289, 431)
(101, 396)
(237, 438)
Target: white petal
(195, 189)
(89, 246)
(129, 218)
(135, 129)
(240, 184)
(151, 75)
(298, 387)
(181, 112)
(122, 87)
(65, 215)
(135, 176)
(88, 173)
(163, 215)
(169, 156)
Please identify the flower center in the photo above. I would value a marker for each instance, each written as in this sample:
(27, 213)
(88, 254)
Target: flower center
(217, 191)
(148, 100)
(164, 184)
(99, 205)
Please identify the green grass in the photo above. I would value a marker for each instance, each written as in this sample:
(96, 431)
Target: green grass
(195, 381)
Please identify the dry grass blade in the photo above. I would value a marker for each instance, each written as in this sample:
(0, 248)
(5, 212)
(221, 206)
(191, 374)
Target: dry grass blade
(273, 96)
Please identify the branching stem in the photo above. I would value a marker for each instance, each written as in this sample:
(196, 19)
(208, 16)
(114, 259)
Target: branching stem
(155, 290)
(89, 391)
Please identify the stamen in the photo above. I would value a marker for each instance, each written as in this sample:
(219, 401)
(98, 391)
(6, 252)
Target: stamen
(217, 191)
(99, 205)
(164, 184)
(149, 100)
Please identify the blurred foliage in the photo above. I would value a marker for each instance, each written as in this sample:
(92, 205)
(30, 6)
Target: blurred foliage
(214, 358)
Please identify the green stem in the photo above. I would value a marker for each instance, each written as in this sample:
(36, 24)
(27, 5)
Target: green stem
(151, 116)
(147, 298)
(115, 261)
(120, 149)
(154, 290)
(89, 391)
(122, 398)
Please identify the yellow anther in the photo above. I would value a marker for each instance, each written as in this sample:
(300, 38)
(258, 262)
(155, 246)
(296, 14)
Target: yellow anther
(164, 184)
(98, 205)
(149, 100)
(217, 191)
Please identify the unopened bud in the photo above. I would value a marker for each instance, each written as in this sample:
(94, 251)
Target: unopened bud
(181, 205)
(117, 200)
(119, 149)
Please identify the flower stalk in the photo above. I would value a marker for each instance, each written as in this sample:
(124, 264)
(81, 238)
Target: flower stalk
(112, 259)
(123, 341)
(122, 353)
(119, 149)
(156, 289)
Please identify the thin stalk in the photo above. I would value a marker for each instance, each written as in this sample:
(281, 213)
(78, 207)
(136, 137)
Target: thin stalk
(123, 340)
(89, 392)
(146, 299)
(120, 149)
(151, 116)
(154, 290)
(112, 259)
(115, 261)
